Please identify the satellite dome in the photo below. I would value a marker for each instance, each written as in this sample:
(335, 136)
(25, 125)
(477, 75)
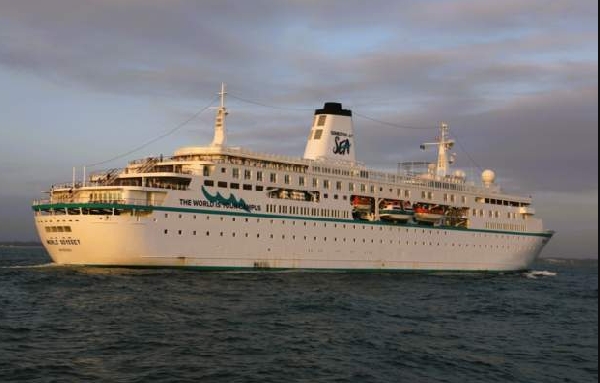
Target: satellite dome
(488, 177)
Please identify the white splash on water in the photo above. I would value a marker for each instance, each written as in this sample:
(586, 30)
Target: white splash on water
(534, 274)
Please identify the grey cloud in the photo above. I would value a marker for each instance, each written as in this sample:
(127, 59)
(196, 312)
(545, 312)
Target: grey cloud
(548, 142)
(476, 15)
(182, 48)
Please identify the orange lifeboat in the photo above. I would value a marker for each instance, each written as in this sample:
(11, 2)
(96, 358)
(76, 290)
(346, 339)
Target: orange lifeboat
(361, 203)
(428, 214)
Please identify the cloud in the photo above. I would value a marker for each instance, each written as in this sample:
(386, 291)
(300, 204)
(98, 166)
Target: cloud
(548, 141)
(473, 16)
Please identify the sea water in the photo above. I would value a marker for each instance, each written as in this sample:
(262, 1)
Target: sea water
(69, 324)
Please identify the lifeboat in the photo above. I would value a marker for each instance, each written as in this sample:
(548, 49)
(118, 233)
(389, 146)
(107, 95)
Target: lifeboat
(428, 214)
(396, 213)
(361, 203)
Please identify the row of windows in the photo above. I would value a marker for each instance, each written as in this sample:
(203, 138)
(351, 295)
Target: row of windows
(500, 202)
(233, 185)
(341, 172)
(208, 170)
(424, 194)
(420, 231)
(325, 184)
(353, 240)
(352, 187)
(287, 180)
(105, 196)
(495, 214)
(505, 226)
(247, 173)
(58, 229)
(306, 211)
(259, 175)
(452, 198)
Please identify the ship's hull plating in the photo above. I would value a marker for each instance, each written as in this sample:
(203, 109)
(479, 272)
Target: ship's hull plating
(216, 240)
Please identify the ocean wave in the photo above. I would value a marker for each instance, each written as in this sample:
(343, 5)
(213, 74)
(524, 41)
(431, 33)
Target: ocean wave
(534, 274)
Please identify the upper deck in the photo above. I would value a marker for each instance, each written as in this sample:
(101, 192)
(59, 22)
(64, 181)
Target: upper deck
(175, 172)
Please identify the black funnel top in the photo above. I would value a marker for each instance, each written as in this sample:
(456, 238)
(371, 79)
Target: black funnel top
(334, 108)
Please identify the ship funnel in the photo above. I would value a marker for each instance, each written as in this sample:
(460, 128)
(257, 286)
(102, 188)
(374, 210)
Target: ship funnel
(332, 134)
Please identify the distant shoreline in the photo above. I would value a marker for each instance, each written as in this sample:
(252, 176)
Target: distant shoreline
(20, 244)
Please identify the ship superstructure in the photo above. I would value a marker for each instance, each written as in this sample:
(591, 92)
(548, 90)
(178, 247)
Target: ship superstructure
(219, 207)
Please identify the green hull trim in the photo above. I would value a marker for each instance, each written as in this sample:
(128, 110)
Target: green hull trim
(274, 216)
(299, 270)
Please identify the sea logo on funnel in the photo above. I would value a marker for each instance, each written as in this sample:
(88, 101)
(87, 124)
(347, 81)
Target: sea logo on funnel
(341, 146)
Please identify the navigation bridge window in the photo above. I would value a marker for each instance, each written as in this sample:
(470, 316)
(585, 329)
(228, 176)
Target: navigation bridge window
(174, 183)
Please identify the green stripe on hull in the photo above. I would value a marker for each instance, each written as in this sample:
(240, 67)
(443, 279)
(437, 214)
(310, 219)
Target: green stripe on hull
(273, 216)
(287, 269)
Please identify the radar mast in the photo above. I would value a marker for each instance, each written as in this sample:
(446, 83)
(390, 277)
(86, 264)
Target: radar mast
(444, 144)
(220, 137)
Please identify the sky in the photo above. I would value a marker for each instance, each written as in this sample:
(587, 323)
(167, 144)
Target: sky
(86, 82)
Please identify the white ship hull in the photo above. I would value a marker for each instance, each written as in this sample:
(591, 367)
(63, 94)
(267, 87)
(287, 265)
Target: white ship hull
(218, 207)
(212, 240)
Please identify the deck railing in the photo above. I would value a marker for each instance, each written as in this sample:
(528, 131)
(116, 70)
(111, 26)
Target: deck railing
(121, 201)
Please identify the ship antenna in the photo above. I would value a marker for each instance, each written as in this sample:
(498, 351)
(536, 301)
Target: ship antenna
(220, 137)
(444, 144)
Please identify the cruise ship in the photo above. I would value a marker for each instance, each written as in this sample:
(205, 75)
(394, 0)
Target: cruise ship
(219, 207)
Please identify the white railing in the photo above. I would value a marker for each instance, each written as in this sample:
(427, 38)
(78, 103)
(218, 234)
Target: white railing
(122, 201)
